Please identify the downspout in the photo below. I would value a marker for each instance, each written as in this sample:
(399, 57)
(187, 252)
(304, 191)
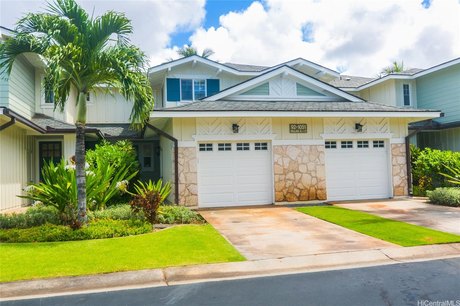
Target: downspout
(8, 124)
(408, 161)
(176, 157)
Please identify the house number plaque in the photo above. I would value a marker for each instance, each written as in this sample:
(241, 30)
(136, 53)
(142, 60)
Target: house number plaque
(298, 128)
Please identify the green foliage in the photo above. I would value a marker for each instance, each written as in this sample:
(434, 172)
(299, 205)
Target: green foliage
(34, 216)
(428, 166)
(149, 197)
(59, 189)
(453, 176)
(445, 196)
(118, 212)
(174, 214)
(94, 230)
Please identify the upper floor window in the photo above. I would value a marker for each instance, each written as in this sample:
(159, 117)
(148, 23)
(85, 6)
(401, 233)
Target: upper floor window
(406, 94)
(190, 89)
(49, 96)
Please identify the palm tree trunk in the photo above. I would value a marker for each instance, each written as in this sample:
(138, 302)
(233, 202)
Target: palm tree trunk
(80, 158)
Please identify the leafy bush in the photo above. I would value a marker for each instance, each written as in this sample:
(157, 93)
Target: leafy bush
(121, 156)
(453, 175)
(427, 166)
(119, 212)
(34, 216)
(445, 196)
(149, 197)
(95, 230)
(174, 214)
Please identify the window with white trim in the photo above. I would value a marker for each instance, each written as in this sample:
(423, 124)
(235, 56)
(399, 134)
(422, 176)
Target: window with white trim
(192, 89)
(261, 146)
(224, 147)
(347, 144)
(242, 146)
(363, 144)
(330, 144)
(205, 147)
(378, 144)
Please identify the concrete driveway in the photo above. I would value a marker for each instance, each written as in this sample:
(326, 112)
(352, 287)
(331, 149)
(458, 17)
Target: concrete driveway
(277, 232)
(418, 212)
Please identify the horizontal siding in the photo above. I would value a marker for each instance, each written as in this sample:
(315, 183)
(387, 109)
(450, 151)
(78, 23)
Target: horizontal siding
(15, 151)
(3, 90)
(21, 84)
(441, 91)
(448, 139)
(107, 108)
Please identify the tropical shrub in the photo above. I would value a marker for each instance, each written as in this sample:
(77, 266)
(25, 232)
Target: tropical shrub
(121, 156)
(428, 166)
(59, 189)
(118, 212)
(148, 198)
(96, 229)
(453, 175)
(33, 216)
(445, 196)
(175, 214)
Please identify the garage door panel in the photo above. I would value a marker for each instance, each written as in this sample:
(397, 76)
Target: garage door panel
(357, 173)
(234, 178)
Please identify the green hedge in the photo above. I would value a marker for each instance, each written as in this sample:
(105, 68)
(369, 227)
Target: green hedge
(445, 196)
(34, 216)
(427, 164)
(97, 229)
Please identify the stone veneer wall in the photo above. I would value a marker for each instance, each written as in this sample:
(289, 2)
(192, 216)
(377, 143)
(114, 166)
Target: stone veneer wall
(188, 188)
(399, 169)
(299, 173)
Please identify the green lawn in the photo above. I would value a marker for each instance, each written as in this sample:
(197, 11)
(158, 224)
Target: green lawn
(397, 232)
(181, 245)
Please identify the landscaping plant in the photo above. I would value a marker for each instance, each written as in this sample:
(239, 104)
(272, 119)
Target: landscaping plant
(428, 166)
(445, 196)
(148, 198)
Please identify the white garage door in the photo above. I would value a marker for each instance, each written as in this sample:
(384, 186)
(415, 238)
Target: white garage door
(357, 169)
(234, 174)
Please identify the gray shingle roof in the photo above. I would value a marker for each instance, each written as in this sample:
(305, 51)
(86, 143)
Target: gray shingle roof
(287, 106)
(120, 130)
(48, 123)
(244, 67)
(350, 81)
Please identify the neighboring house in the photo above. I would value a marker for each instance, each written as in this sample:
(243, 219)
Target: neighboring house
(437, 87)
(32, 132)
(223, 134)
(251, 135)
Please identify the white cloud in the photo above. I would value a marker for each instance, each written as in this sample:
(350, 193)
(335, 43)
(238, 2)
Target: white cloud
(154, 21)
(360, 35)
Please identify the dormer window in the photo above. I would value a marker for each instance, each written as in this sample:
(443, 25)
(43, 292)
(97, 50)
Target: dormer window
(190, 89)
(406, 94)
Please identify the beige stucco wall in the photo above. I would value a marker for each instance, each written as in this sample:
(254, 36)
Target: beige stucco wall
(299, 173)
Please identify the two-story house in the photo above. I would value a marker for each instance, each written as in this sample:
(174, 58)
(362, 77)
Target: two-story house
(247, 135)
(223, 134)
(437, 87)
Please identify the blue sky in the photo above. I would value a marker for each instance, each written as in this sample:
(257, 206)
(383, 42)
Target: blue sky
(357, 36)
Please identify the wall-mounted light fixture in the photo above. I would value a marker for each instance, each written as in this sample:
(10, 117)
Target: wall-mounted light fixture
(235, 128)
(358, 127)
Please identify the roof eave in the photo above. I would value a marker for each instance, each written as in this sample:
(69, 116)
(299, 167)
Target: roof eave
(313, 114)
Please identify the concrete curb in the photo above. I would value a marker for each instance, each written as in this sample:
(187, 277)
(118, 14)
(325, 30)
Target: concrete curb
(214, 272)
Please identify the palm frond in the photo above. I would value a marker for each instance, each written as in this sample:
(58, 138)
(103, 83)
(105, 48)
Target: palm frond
(72, 11)
(105, 26)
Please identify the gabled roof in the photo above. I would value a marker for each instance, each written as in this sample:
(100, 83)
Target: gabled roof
(409, 74)
(199, 59)
(277, 71)
(245, 67)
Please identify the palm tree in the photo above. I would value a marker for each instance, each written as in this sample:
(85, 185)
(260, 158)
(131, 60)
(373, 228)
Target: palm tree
(82, 53)
(188, 50)
(395, 67)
